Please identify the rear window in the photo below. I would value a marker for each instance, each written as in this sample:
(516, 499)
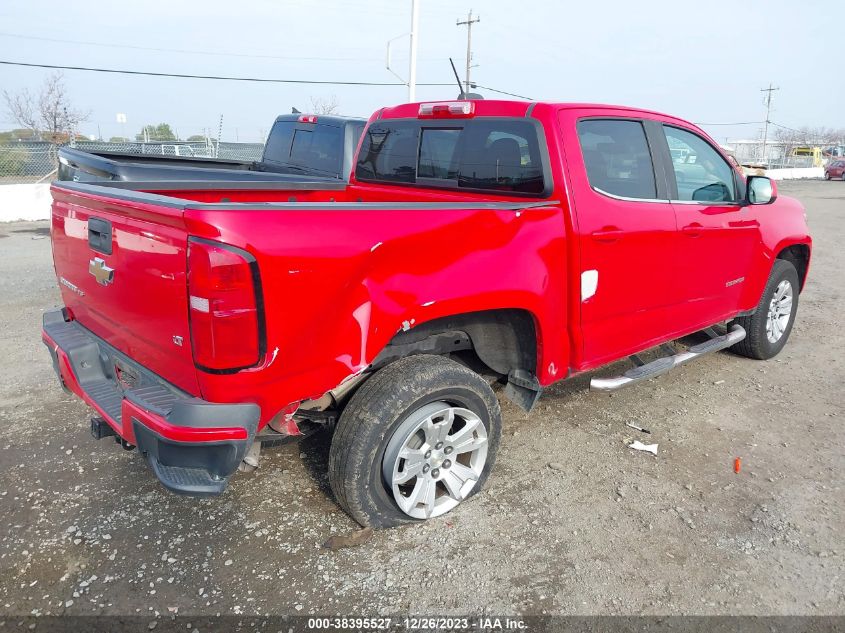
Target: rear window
(317, 148)
(277, 149)
(307, 145)
(498, 155)
(617, 157)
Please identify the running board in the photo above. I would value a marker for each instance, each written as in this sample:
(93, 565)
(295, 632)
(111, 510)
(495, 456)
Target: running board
(667, 363)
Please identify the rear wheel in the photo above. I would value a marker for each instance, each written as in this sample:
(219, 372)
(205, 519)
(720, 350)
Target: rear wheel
(768, 329)
(415, 440)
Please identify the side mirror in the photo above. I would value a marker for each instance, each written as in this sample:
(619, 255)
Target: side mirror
(761, 190)
(715, 192)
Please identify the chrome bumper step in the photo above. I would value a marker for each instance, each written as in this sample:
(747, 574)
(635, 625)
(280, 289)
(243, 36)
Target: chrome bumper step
(663, 365)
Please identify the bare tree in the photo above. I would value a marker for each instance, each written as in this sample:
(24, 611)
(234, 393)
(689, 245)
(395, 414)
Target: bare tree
(808, 137)
(800, 142)
(50, 113)
(325, 105)
(21, 107)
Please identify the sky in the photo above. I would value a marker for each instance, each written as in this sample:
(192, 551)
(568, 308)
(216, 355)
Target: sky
(702, 61)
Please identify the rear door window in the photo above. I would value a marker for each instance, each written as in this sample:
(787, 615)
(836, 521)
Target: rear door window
(617, 158)
(486, 154)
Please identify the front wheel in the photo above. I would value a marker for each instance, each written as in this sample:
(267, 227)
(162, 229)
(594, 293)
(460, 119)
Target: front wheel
(768, 329)
(417, 439)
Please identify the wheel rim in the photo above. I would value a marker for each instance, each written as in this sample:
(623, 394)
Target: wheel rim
(780, 311)
(434, 459)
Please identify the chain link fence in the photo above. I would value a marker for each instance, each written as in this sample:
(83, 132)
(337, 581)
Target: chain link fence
(27, 162)
(36, 161)
(786, 155)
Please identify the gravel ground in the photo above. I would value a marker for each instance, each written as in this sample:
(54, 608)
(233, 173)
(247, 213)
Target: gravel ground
(571, 522)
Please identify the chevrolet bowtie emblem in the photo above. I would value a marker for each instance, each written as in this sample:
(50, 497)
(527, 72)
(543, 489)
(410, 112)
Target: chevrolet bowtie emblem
(102, 273)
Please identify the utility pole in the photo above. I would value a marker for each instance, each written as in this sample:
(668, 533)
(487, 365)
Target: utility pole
(219, 134)
(468, 22)
(768, 101)
(412, 64)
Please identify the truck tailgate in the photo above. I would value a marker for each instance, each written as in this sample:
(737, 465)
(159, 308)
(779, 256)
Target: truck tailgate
(121, 266)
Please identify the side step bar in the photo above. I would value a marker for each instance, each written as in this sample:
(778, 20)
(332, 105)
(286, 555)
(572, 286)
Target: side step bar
(663, 365)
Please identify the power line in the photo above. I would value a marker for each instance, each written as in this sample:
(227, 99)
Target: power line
(249, 79)
(216, 77)
(739, 123)
(502, 92)
(791, 129)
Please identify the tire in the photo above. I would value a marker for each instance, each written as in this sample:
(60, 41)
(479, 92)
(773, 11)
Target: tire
(843, 175)
(758, 341)
(827, 175)
(372, 430)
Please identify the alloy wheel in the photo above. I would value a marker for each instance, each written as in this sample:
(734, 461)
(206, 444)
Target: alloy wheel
(434, 459)
(780, 311)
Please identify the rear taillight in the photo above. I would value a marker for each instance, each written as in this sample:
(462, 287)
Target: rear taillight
(226, 319)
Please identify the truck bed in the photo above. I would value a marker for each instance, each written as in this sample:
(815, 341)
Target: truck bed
(312, 235)
(98, 167)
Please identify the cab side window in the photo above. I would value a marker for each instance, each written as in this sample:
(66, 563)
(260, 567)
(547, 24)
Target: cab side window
(700, 171)
(617, 158)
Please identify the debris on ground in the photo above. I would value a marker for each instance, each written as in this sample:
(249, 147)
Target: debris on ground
(646, 448)
(354, 539)
(251, 459)
(638, 428)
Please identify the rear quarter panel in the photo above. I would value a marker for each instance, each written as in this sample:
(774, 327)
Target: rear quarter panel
(338, 285)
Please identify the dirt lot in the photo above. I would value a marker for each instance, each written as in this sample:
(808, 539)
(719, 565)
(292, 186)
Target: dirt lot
(572, 521)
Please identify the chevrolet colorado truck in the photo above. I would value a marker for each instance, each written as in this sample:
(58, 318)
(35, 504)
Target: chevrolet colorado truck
(304, 145)
(477, 242)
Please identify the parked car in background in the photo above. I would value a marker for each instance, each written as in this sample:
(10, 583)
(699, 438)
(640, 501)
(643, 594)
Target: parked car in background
(836, 169)
(476, 242)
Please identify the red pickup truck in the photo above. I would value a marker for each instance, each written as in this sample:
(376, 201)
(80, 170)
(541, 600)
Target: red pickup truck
(477, 242)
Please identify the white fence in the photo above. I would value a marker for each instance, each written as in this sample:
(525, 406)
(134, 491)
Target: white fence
(794, 173)
(24, 202)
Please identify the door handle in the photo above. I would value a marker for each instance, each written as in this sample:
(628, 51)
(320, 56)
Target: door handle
(693, 230)
(607, 234)
(100, 235)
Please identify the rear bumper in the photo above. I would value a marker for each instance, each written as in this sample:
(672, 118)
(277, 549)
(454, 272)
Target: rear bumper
(192, 446)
